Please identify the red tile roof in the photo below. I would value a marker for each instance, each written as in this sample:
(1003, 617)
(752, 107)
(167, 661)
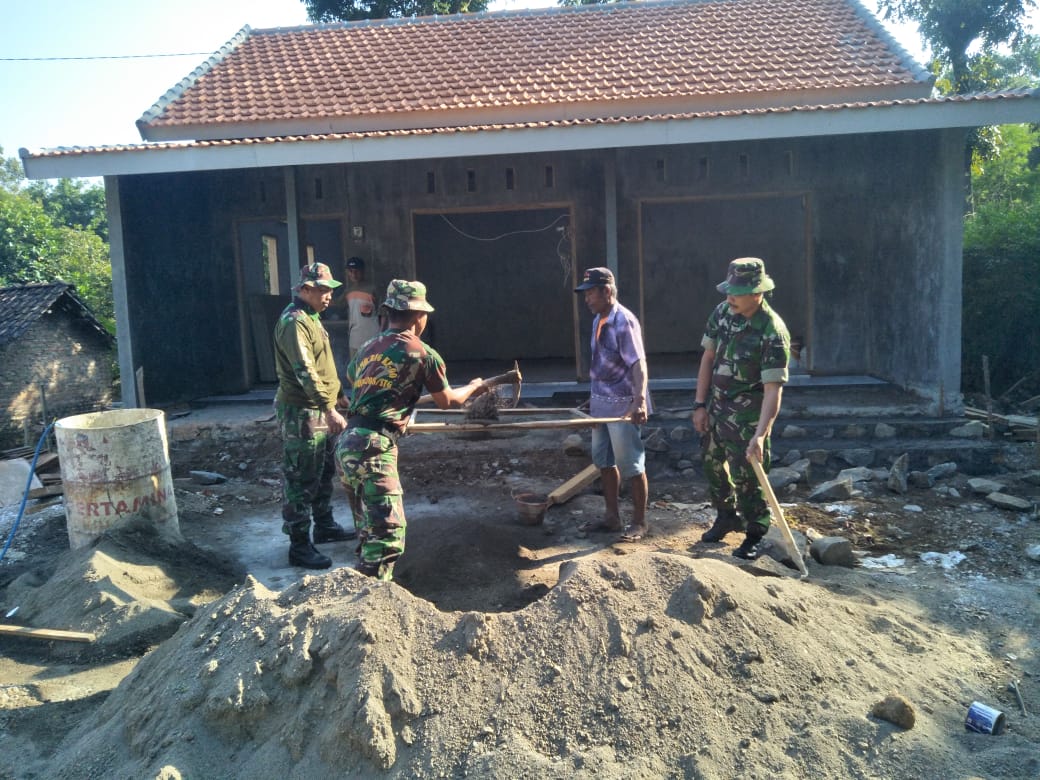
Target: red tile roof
(639, 58)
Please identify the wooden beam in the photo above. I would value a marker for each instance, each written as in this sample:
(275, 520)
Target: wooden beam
(47, 633)
(574, 485)
(529, 425)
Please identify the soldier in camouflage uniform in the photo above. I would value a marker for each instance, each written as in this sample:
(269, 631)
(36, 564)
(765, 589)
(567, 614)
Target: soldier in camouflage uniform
(305, 405)
(742, 371)
(384, 381)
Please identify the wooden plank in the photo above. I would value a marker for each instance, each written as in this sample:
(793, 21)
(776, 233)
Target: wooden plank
(47, 491)
(47, 461)
(530, 425)
(45, 503)
(574, 485)
(47, 633)
(18, 452)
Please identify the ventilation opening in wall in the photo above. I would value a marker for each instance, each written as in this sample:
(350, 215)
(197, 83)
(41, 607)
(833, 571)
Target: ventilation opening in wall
(510, 179)
(550, 176)
(431, 182)
(789, 162)
(471, 180)
(661, 172)
(318, 193)
(702, 168)
(745, 165)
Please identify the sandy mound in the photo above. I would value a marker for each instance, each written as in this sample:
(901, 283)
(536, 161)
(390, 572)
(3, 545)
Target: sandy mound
(645, 666)
(132, 589)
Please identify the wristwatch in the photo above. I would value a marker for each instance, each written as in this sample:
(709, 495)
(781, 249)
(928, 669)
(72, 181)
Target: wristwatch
(700, 405)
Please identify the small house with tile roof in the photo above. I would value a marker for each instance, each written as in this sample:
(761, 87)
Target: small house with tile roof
(58, 359)
(494, 156)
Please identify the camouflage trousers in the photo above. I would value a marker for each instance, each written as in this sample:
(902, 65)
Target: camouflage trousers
(308, 465)
(732, 484)
(368, 461)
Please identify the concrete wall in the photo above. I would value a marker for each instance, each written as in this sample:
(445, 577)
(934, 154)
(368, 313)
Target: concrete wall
(861, 233)
(71, 364)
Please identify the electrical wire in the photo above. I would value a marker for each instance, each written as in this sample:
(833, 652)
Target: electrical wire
(106, 57)
(464, 234)
(25, 495)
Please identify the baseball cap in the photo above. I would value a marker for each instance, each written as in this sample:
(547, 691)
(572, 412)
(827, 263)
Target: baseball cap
(595, 277)
(355, 262)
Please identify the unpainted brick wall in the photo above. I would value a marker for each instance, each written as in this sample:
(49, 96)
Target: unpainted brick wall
(72, 363)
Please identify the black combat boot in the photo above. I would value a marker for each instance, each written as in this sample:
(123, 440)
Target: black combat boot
(331, 531)
(726, 520)
(303, 553)
(748, 549)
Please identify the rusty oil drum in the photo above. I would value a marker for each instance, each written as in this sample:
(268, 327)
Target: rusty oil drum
(115, 469)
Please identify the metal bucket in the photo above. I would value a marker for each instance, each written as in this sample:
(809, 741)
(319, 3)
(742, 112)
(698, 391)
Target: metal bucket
(115, 469)
(531, 507)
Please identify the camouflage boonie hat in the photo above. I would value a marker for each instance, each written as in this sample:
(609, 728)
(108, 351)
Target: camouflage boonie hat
(318, 274)
(746, 275)
(403, 295)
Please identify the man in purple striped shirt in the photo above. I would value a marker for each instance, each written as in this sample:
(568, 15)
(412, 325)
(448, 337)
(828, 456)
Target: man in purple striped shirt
(619, 389)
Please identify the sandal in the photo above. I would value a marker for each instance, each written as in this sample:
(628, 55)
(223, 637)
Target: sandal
(598, 526)
(633, 533)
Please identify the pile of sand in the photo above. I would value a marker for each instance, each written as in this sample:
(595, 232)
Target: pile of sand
(643, 666)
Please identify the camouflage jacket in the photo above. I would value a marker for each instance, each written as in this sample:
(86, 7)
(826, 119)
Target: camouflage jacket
(748, 354)
(303, 359)
(386, 378)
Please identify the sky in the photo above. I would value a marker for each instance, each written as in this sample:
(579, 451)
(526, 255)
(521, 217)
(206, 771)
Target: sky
(47, 102)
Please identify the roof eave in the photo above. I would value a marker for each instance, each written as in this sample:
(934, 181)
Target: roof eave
(541, 112)
(469, 142)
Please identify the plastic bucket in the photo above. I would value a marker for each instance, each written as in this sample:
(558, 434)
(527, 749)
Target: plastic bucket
(531, 507)
(115, 470)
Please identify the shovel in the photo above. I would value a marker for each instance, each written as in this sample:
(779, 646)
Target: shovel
(778, 515)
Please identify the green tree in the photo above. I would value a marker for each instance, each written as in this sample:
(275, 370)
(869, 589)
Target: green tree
(1010, 176)
(951, 28)
(322, 11)
(42, 239)
(74, 203)
(1002, 296)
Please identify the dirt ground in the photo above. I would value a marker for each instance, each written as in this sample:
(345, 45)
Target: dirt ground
(505, 649)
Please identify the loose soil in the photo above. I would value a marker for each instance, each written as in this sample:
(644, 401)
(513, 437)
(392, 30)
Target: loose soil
(510, 650)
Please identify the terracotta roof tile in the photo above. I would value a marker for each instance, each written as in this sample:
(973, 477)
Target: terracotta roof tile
(132, 149)
(675, 53)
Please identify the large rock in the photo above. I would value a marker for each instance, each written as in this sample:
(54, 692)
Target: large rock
(942, 470)
(833, 551)
(920, 479)
(983, 487)
(575, 445)
(859, 456)
(818, 457)
(832, 490)
(857, 474)
(657, 441)
(780, 477)
(1004, 501)
(681, 434)
(897, 475)
(895, 709)
(884, 431)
